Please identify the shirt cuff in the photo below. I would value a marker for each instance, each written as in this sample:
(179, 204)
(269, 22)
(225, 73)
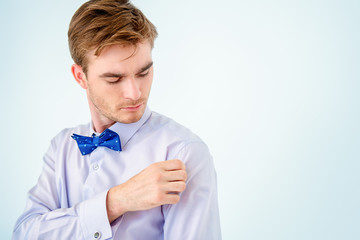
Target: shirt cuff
(94, 219)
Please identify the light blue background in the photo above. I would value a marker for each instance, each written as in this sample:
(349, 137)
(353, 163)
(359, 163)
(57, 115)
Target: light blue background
(271, 86)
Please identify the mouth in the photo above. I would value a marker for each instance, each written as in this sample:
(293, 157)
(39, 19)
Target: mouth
(132, 108)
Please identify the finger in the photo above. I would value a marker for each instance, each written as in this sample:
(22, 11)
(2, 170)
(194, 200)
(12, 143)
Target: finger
(173, 164)
(176, 175)
(171, 198)
(175, 187)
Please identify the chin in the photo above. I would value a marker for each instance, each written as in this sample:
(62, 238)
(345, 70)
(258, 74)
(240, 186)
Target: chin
(131, 118)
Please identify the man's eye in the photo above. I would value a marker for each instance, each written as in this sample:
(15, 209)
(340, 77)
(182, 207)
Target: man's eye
(113, 80)
(143, 74)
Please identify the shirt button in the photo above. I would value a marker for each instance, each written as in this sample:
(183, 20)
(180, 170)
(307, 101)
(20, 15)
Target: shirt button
(96, 166)
(97, 235)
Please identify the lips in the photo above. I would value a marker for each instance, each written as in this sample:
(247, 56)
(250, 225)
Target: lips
(132, 108)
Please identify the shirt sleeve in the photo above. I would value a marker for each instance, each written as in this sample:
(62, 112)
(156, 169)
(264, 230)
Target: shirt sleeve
(196, 215)
(45, 218)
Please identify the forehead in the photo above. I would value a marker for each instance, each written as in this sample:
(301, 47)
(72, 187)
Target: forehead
(120, 57)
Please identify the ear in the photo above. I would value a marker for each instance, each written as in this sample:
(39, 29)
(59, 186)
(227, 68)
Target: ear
(79, 75)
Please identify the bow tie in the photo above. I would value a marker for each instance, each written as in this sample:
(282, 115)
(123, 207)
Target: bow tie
(108, 138)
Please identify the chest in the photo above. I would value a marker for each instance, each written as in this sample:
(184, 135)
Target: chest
(82, 177)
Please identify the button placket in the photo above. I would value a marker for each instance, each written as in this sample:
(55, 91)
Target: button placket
(95, 166)
(96, 159)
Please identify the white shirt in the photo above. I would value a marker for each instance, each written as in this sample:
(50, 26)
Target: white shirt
(69, 200)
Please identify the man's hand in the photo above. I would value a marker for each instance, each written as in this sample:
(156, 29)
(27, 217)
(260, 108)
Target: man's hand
(158, 184)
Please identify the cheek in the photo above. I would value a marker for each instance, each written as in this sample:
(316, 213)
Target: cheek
(148, 83)
(105, 93)
(108, 91)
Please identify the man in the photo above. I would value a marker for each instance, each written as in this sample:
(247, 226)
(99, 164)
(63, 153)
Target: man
(131, 173)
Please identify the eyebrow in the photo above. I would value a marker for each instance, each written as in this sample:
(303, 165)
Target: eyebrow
(143, 69)
(119, 75)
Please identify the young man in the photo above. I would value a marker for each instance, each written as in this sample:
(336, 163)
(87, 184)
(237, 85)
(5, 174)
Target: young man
(131, 173)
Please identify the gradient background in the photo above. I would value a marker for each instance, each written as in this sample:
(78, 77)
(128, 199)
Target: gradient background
(271, 86)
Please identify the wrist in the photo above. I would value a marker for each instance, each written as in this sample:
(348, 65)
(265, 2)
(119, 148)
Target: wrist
(113, 206)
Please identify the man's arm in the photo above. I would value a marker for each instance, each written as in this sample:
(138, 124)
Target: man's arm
(46, 215)
(196, 215)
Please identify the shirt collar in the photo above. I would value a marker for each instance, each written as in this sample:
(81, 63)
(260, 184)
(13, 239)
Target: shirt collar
(126, 130)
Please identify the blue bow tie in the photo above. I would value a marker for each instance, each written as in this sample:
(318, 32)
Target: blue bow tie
(108, 138)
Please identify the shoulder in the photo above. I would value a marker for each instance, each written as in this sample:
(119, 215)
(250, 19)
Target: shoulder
(175, 136)
(167, 126)
(183, 144)
(63, 145)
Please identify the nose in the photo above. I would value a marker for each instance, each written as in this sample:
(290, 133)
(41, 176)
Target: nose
(131, 89)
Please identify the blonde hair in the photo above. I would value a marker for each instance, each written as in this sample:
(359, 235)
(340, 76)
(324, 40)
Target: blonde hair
(101, 23)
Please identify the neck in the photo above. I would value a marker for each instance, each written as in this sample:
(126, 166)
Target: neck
(100, 126)
(100, 123)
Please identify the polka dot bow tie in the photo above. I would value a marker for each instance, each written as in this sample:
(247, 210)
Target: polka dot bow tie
(108, 138)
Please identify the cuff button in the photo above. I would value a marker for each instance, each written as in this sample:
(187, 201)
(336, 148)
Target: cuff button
(97, 235)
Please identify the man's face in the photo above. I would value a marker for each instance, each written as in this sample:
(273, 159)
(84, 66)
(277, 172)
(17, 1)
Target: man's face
(119, 82)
